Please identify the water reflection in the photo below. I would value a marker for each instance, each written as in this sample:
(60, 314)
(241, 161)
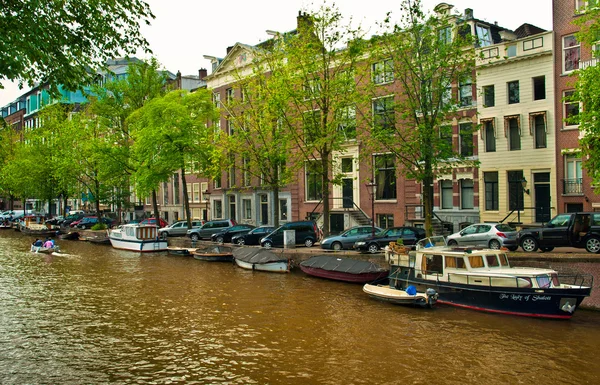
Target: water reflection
(99, 315)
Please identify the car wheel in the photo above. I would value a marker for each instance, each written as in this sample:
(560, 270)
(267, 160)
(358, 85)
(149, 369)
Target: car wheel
(220, 240)
(195, 237)
(592, 245)
(544, 249)
(241, 241)
(267, 245)
(529, 244)
(452, 242)
(494, 244)
(337, 246)
(309, 242)
(372, 248)
(513, 248)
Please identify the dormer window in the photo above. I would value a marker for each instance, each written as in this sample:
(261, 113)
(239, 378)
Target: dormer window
(484, 35)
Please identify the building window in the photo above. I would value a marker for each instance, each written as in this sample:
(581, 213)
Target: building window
(466, 139)
(314, 180)
(446, 138)
(446, 194)
(229, 93)
(312, 89)
(196, 192)
(283, 210)
(539, 130)
(445, 35)
(246, 174)
(571, 53)
(571, 109)
(484, 37)
(384, 118)
(218, 209)
(217, 182)
(217, 99)
(514, 133)
(511, 51)
(385, 177)
(385, 221)
(465, 91)
(447, 96)
(312, 124)
(573, 174)
(513, 92)
(490, 180)
(165, 193)
(346, 118)
(232, 207)
(230, 126)
(176, 192)
(347, 165)
(488, 96)
(489, 134)
(382, 72)
(247, 209)
(466, 194)
(189, 192)
(539, 88)
(515, 190)
(203, 189)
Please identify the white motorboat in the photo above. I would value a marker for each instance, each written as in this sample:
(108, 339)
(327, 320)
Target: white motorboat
(136, 237)
(401, 297)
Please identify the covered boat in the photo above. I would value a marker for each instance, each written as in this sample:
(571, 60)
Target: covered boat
(136, 237)
(410, 296)
(214, 253)
(254, 258)
(482, 279)
(343, 269)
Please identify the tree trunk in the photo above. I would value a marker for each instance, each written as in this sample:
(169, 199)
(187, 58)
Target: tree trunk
(186, 202)
(428, 204)
(64, 207)
(276, 197)
(96, 198)
(326, 209)
(155, 208)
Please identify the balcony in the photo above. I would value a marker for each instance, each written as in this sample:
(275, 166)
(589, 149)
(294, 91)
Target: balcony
(573, 186)
(583, 64)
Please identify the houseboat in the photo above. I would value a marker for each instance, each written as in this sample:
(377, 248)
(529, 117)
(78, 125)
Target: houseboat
(136, 237)
(482, 279)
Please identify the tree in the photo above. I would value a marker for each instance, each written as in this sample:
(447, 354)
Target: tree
(587, 90)
(169, 133)
(65, 42)
(410, 124)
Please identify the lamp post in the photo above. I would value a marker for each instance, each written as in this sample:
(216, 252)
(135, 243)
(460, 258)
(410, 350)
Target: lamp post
(371, 187)
(206, 200)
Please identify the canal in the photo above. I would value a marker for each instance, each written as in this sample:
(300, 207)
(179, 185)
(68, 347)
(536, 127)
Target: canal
(98, 316)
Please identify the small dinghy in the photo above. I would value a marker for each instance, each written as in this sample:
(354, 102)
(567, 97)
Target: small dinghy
(253, 258)
(71, 235)
(409, 297)
(343, 269)
(214, 254)
(45, 250)
(181, 251)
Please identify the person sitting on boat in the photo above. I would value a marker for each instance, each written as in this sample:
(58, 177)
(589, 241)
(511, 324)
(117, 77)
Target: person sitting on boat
(48, 244)
(38, 243)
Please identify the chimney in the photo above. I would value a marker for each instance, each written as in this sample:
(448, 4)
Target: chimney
(202, 73)
(303, 21)
(468, 14)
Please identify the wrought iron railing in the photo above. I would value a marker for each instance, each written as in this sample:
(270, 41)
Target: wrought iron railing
(573, 186)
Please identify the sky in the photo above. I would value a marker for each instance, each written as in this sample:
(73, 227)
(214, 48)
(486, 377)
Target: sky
(186, 30)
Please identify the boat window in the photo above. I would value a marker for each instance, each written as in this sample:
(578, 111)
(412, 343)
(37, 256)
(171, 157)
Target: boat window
(433, 264)
(476, 261)
(455, 262)
(492, 260)
(524, 282)
(503, 259)
(555, 281)
(543, 281)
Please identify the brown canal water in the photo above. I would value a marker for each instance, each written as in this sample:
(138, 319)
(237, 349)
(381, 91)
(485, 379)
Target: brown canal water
(99, 316)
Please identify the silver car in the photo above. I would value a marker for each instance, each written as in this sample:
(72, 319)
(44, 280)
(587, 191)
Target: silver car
(492, 235)
(178, 229)
(347, 239)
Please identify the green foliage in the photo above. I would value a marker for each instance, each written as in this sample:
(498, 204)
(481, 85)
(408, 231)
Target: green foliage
(99, 226)
(59, 42)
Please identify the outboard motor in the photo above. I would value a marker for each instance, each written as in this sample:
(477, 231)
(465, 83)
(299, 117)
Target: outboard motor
(432, 297)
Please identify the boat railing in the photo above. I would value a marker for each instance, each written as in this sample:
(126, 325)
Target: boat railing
(577, 280)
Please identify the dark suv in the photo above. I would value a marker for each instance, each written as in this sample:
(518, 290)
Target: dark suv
(581, 230)
(307, 233)
(409, 235)
(209, 228)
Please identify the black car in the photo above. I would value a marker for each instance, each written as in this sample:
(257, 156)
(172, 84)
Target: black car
(409, 235)
(253, 237)
(226, 235)
(70, 219)
(581, 230)
(306, 233)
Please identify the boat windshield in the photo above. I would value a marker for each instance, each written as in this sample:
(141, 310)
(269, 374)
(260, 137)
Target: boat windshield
(503, 260)
(431, 242)
(543, 281)
(492, 260)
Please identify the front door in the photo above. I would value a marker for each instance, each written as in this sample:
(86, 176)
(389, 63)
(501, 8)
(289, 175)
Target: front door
(336, 223)
(347, 192)
(542, 197)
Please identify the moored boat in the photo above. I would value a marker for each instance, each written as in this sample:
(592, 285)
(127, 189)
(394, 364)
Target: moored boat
(482, 279)
(181, 251)
(71, 235)
(253, 258)
(136, 237)
(410, 296)
(343, 269)
(214, 254)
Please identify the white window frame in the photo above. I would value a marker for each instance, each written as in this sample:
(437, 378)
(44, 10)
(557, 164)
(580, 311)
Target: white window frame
(196, 192)
(382, 72)
(484, 35)
(246, 208)
(567, 125)
(564, 49)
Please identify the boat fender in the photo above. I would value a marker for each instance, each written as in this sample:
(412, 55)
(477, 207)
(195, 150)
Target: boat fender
(411, 290)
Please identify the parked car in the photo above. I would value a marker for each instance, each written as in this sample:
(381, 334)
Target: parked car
(226, 235)
(209, 228)
(89, 222)
(70, 219)
(253, 237)
(409, 235)
(152, 221)
(492, 235)
(580, 230)
(307, 234)
(56, 220)
(179, 228)
(348, 238)
(76, 222)
(7, 214)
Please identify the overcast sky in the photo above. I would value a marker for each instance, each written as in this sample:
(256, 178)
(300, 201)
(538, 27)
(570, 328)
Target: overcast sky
(186, 30)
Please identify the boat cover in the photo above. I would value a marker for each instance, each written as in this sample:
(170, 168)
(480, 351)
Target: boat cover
(257, 255)
(346, 265)
(214, 250)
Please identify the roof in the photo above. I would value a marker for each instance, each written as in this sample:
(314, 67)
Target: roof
(528, 30)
